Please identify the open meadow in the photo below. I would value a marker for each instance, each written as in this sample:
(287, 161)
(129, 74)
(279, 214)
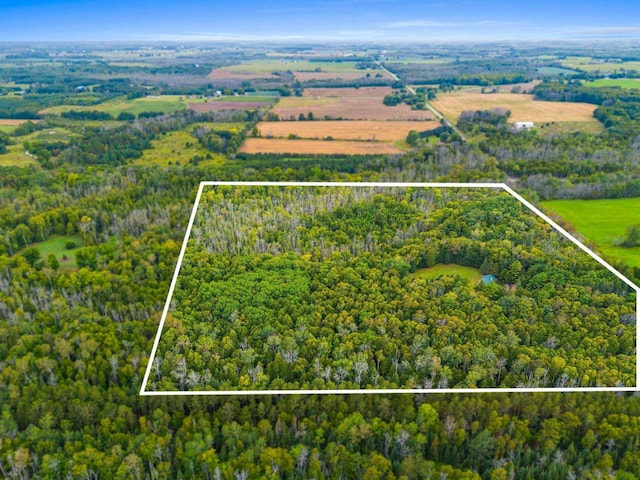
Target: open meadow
(602, 222)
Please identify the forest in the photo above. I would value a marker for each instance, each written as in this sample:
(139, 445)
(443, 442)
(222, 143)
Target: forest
(288, 288)
(90, 234)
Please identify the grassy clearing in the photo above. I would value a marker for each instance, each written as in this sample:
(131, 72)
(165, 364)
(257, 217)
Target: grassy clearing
(523, 107)
(471, 275)
(570, 127)
(317, 147)
(615, 82)
(16, 157)
(57, 246)
(602, 222)
(345, 130)
(176, 147)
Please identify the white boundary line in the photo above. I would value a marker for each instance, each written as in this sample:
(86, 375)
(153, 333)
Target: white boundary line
(501, 186)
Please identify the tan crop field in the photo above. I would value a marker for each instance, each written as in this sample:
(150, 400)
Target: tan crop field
(523, 107)
(346, 104)
(384, 131)
(14, 122)
(306, 76)
(319, 147)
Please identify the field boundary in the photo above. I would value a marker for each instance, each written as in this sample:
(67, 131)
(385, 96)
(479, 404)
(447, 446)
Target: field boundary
(497, 186)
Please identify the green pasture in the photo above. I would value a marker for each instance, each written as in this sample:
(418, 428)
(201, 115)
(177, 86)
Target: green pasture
(602, 222)
(615, 82)
(176, 147)
(57, 246)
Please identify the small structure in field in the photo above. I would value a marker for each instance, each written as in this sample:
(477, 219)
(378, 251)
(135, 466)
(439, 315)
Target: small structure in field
(523, 125)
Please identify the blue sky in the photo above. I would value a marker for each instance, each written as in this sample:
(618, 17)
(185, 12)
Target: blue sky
(339, 20)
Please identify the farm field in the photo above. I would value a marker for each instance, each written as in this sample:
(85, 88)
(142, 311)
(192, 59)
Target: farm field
(523, 107)
(163, 103)
(472, 275)
(227, 105)
(11, 122)
(555, 71)
(317, 147)
(615, 82)
(347, 104)
(602, 222)
(302, 70)
(345, 130)
(589, 64)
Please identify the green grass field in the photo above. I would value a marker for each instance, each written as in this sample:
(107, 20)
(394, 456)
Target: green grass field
(615, 82)
(115, 106)
(57, 246)
(15, 157)
(472, 275)
(602, 222)
(172, 147)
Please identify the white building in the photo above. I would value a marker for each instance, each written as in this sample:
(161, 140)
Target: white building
(523, 125)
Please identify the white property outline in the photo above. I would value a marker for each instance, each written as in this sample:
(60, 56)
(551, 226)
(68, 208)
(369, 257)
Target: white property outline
(501, 186)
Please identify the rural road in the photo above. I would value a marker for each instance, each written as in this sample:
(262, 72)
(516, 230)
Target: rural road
(438, 115)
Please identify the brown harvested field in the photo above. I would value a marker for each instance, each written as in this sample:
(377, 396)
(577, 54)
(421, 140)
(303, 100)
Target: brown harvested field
(346, 104)
(218, 106)
(13, 122)
(384, 131)
(318, 147)
(224, 74)
(523, 107)
(368, 92)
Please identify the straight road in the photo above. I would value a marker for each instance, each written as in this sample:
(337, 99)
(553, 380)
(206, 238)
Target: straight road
(431, 108)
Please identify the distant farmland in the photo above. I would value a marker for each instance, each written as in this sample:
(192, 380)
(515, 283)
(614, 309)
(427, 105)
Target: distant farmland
(219, 106)
(385, 131)
(347, 104)
(317, 147)
(523, 107)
